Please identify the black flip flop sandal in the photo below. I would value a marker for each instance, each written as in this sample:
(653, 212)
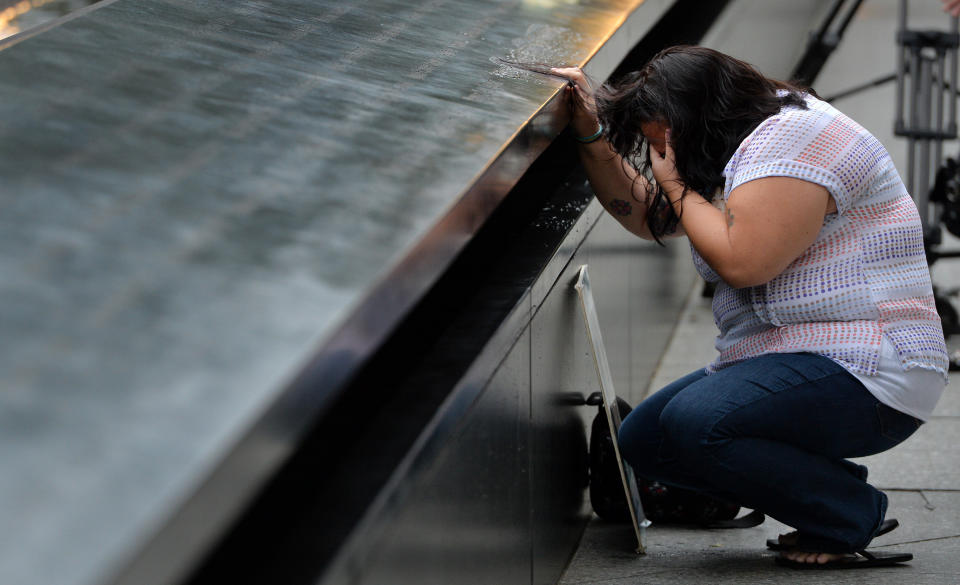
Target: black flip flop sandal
(885, 527)
(859, 560)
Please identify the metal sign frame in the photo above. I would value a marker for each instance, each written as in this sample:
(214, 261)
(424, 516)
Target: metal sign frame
(640, 522)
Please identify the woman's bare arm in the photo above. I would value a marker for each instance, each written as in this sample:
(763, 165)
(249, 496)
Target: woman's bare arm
(616, 184)
(766, 224)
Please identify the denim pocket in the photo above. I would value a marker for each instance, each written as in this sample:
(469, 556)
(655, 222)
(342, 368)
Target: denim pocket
(896, 425)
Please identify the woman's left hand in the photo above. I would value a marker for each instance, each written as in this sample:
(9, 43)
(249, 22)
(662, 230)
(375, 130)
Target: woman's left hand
(580, 96)
(664, 166)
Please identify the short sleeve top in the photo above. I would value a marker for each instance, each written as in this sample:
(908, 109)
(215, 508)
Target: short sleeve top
(866, 274)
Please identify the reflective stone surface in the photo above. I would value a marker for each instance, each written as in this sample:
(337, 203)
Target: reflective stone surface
(195, 196)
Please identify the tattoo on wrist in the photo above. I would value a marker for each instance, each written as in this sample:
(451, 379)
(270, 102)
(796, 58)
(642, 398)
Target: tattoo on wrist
(621, 207)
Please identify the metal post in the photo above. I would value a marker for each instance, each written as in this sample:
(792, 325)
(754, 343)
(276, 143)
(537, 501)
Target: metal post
(941, 89)
(914, 122)
(952, 127)
(923, 117)
(901, 66)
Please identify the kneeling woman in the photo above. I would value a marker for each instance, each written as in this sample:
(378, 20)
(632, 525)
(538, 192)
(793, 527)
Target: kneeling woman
(830, 346)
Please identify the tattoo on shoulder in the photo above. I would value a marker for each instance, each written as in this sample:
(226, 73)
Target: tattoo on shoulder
(621, 207)
(729, 218)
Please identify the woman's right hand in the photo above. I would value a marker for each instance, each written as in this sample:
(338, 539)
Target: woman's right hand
(582, 105)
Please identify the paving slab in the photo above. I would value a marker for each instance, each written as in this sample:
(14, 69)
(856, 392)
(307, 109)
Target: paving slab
(927, 460)
(949, 404)
(692, 343)
(928, 517)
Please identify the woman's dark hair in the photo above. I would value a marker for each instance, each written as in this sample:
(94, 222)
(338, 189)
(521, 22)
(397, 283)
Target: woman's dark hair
(709, 100)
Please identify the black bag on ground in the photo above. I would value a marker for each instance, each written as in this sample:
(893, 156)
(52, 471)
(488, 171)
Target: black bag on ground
(661, 503)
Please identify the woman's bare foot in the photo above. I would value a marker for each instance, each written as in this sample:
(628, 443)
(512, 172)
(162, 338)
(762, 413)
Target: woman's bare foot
(791, 538)
(810, 557)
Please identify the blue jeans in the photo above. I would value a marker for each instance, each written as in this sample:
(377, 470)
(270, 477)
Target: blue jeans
(773, 433)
